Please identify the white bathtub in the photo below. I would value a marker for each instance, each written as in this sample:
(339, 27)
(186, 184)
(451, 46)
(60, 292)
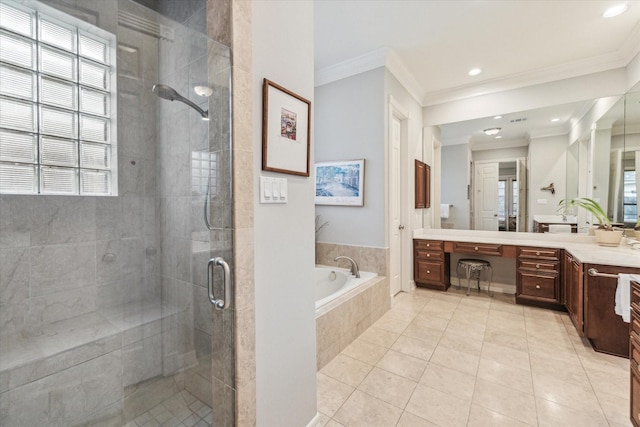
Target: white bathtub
(332, 282)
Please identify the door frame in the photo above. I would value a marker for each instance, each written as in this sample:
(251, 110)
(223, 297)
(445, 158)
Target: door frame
(398, 111)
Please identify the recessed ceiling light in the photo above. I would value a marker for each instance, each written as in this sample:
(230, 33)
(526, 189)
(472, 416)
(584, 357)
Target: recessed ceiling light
(555, 119)
(497, 117)
(492, 131)
(475, 71)
(615, 11)
(499, 136)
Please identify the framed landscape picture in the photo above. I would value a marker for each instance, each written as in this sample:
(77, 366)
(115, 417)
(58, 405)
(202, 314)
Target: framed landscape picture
(340, 183)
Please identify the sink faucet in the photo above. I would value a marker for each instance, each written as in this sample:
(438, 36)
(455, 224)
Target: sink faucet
(354, 266)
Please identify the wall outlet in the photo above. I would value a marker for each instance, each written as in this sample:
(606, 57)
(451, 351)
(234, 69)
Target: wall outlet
(542, 201)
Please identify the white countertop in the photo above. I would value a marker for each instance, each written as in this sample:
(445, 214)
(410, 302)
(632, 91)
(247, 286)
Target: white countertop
(581, 246)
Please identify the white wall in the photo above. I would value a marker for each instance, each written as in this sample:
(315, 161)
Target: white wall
(548, 163)
(284, 234)
(501, 154)
(350, 124)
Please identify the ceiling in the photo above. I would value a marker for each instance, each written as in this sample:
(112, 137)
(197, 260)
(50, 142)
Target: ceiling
(515, 43)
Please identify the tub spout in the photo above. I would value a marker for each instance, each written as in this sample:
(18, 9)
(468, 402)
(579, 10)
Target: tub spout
(354, 266)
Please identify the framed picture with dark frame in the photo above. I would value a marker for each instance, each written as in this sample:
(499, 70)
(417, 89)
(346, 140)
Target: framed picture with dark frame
(286, 124)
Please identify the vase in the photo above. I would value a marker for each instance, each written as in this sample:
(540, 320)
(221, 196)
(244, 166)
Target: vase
(608, 237)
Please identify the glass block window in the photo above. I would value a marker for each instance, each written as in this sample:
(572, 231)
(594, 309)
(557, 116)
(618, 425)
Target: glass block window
(57, 104)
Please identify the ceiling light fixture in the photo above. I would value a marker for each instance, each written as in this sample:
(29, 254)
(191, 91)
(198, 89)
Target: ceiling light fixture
(474, 71)
(615, 11)
(499, 137)
(555, 119)
(492, 131)
(497, 117)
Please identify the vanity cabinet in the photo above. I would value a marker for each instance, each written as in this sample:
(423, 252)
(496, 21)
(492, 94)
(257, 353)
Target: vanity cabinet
(606, 331)
(572, 290)
(538, 277)
(634, 353)
(430, 265)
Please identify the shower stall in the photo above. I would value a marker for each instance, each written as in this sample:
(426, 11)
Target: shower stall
(116, 232)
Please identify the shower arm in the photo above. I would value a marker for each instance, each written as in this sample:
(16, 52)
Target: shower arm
(204, 114)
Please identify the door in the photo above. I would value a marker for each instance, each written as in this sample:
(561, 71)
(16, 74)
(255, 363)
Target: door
(486, 196)
(521, 205)
(395, 205)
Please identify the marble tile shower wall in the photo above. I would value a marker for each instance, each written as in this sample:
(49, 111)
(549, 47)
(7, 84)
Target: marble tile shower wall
(62, 258)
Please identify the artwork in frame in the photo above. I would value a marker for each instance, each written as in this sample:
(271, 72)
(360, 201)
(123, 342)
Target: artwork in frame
(286, 122)
(340, 183)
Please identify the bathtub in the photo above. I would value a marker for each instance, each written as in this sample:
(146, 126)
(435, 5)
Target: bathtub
(331, 283)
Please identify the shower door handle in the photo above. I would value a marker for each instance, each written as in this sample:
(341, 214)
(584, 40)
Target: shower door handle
(226, 283)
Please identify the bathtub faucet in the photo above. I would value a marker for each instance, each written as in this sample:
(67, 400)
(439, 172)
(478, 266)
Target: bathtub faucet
(354, 266)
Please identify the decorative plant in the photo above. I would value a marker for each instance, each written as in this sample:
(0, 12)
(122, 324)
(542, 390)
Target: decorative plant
(589, 205)
(319, 224)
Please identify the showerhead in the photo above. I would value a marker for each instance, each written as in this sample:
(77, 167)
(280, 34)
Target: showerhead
(169, 93)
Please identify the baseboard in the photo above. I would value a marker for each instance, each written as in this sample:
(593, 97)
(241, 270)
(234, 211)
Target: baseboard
(315, 421)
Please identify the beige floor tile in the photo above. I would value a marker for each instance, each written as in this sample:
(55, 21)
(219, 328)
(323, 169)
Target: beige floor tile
(414, 347)
(615, 409)
(365, 351)
(508, 376)
(507, 356)
(617, 384)
(551, 414)
(410, 306)
(513, 327)
(483, 417)
(347, 370)
(506, 401)
(469, 316)
(399, 314)
(334, 423)
(475, 332)
(388, 387)
(401, 364)
(391, 324)
(514, 342)
(409, 420)
(449, 381)
(438, 407)
(365, 410)
(603, 362)
(380, 337)
(431, 321)
(462, 342)
(419, 330)
(323, 418)
(506, 313)
(562, 370)
(454, 359)
(331, 394)
(549, 387)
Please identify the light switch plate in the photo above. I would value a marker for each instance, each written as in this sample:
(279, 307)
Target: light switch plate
(273, 190)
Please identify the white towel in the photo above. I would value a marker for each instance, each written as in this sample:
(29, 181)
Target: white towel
(444, 211)
(623, 297)
(559, 228)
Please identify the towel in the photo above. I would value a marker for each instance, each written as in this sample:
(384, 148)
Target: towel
(623, 297)
(559, 228)
(444, 211)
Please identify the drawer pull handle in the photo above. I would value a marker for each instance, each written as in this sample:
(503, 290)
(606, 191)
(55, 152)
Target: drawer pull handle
(428, 255)
(428, 244)
(537, 265)
(475, 248)
(538, 253)
(537, 286)
(428, 271)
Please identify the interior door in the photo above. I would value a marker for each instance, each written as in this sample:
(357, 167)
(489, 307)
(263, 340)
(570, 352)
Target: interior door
(486, 196)
(521, 176)
(395, 208)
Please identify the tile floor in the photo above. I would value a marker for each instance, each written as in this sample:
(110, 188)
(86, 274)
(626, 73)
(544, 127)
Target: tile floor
(180, 410)
(445, 359)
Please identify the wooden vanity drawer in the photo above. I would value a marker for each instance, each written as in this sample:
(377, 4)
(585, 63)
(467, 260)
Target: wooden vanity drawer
(538, 253)
(536, 265)
(429, 245)
(539, 286)
(477, 248)
(429, 271)
(436, 256)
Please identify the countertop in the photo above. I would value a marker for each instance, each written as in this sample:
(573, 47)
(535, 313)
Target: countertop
(581, 246)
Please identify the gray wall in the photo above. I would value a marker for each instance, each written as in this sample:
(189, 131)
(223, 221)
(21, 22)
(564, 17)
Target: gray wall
(350, 124)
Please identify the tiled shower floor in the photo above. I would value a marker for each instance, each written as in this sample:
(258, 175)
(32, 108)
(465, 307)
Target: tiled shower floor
(180, 410)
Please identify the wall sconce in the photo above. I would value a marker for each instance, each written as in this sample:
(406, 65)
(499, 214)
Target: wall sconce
(549, 188)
